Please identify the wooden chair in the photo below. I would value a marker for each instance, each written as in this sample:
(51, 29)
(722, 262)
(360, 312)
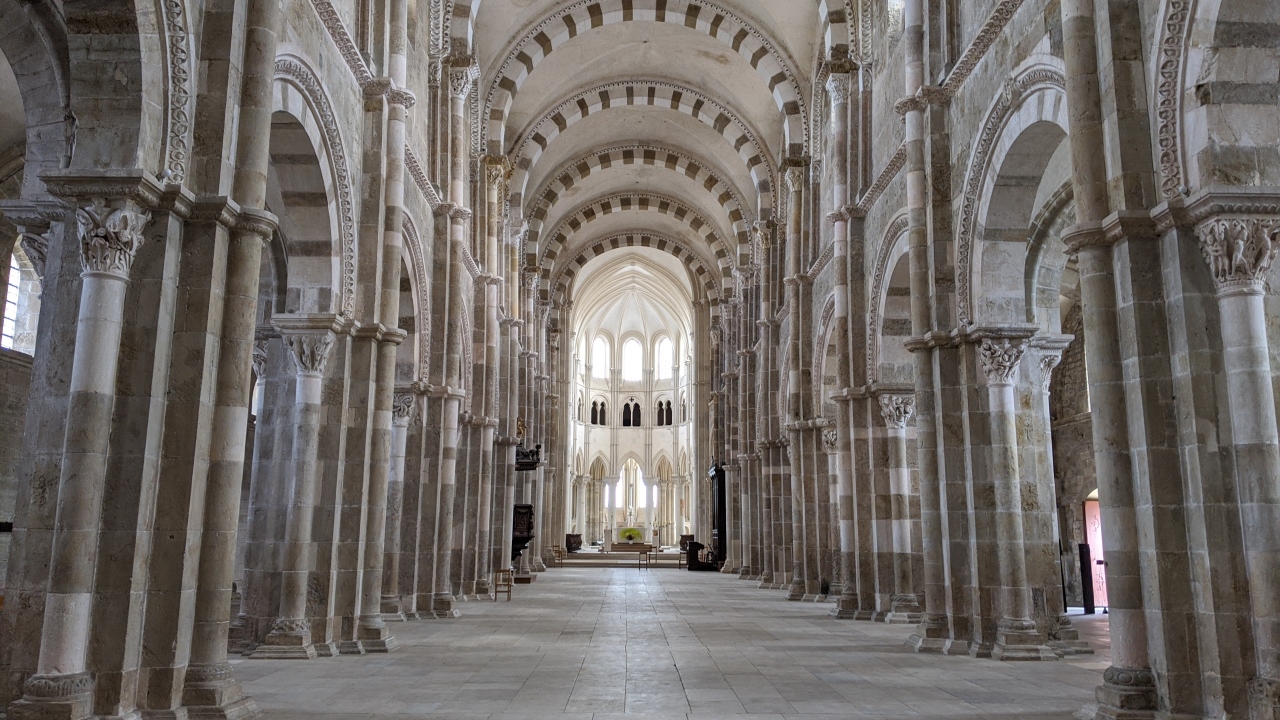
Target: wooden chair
(557, 555)
(503, 581)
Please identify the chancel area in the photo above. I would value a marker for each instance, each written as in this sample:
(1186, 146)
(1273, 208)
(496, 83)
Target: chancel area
(583, 359)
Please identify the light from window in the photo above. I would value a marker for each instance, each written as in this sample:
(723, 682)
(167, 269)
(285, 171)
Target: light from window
(617, 493)
(11, 305)
(600, 358)
(632, 360)
(664, 359)
(642, 495)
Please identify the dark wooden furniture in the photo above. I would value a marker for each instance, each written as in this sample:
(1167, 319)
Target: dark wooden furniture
(503, 582)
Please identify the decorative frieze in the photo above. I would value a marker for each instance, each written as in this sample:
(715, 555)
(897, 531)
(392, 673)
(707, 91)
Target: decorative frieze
(1000, 358)
(1239, 251)
(110, 237)
(897, 410)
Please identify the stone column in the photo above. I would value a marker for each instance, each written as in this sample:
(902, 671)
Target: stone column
(847, 604)
(1128, 689)
(934, 630)
(1240, 250)
(1016, 635)
(310, 342)
(110, 233)
(795, 186)
(897, 411)
(402, 409)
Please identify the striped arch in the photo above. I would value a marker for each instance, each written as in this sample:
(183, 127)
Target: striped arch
(422, 286)
(644, 202)
(578, 170)
(707, 17)
(839, 41)
(657, 94)
(892, 247)
(298, 92)
(556, 282)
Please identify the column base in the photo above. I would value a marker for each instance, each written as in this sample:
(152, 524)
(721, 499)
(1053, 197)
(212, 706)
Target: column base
(1264, 699)
(1018, 640)
(525, 578)
(865, 615)
(289, 639)
(444, 607)
(846, 608)
(327, 649)
(1065, 648)
(350, 647)
(483, 589)
(391, 609)
(375, 636)
(54, 697)
(1126, 694)
(537, 565)
(931, 635)
(211, 692)
(243, 709)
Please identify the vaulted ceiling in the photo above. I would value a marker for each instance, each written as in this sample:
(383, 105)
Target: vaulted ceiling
(663, 119)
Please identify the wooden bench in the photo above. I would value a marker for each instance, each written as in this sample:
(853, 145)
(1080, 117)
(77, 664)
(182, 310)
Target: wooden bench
(503, 581)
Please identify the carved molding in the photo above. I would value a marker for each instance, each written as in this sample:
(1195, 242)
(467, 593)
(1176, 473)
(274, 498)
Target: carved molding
(419, 176)
(423, 284)
(332, 22)
(881, 182)
(57, 687)
(830, 440)
(110, 237)
(1169, 69)
(179, 89)
(982, 42)
(1000, 358)
(1239, 251)
(897, 410)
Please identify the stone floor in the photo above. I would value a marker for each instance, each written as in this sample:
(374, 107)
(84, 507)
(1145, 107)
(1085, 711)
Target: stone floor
(602, 643)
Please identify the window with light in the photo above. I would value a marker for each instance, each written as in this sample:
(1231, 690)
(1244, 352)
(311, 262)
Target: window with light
(632, 361)
(665, 359)
(600, 358)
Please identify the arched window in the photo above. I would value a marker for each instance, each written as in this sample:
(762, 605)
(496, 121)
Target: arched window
(603, 420)
(659, 420)
(626, 415)
(668, 413)
(684, 411)
(600, 358)
(11, 304)
(632, 361)
(665, 359)
(595, 413)
(579, 408)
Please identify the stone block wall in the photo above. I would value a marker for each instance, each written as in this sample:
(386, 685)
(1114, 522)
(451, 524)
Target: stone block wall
(15, 379)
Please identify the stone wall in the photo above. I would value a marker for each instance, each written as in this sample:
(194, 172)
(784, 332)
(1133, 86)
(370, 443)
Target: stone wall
(15, 378)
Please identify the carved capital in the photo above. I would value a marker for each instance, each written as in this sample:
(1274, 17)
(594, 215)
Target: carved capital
(402, 97)
(110, 237)
(36, 248)
(494, 175)
(461, 79)
(1048, 362)
(897, 410)
(402, 408)
(1000, 358)
(795, 178)
(830, 440)
(1264, 693)
(1239, 251)
(310, 351)
(838, 88)
(260, 358)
